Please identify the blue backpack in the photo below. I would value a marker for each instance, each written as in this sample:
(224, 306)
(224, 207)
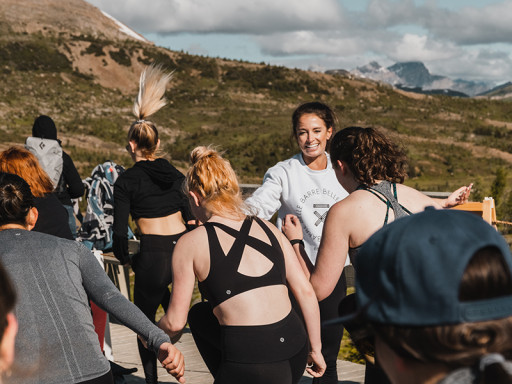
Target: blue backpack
(96, 230)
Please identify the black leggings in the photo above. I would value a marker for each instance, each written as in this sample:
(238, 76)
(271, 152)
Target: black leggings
(331, 335)
(250, 354)
(153, 274)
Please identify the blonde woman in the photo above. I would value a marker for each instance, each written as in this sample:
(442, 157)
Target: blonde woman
(244, 266)
(151, 192)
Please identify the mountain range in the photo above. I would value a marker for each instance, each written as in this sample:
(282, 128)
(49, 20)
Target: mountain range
(415, 77)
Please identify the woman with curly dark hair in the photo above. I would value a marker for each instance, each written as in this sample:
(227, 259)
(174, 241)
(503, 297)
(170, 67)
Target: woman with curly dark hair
(371, 169)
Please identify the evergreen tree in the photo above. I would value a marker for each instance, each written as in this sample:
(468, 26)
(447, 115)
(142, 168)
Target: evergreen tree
(498, 185)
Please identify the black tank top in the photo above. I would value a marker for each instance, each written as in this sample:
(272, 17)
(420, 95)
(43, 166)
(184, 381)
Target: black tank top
(223, 280)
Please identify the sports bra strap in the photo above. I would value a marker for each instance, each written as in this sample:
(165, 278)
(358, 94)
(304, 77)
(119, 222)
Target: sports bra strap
(242, 238)
(396, 197)
(385, 199)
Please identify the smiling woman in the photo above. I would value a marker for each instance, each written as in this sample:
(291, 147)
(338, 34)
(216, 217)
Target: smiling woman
(305, 186)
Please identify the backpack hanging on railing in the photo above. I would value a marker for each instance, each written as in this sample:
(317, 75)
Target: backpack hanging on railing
(96, 230)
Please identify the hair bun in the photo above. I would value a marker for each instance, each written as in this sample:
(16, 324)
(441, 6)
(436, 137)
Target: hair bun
(202, 152)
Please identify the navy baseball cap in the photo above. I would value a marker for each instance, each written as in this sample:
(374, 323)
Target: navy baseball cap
(409, 272)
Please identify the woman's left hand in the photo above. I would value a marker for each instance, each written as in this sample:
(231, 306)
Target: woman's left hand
(291, 227)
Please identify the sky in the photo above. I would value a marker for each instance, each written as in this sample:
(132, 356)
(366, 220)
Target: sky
(460, 39)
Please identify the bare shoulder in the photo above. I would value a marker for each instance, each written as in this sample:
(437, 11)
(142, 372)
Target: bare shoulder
(193, 240)
(351, 203)
(272, 227)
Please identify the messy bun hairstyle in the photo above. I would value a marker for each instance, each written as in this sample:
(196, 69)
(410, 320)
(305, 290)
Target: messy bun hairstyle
(370, 155)
(16, 199)
(152, 85)
(213, 178)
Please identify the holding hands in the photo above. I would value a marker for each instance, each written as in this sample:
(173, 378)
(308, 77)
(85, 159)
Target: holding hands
(172, 360)
(316, 364)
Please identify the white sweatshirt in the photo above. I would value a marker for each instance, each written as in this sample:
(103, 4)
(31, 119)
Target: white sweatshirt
(291, 186)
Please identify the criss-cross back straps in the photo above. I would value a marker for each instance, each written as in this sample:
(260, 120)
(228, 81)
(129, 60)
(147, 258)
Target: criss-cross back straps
(242, 239)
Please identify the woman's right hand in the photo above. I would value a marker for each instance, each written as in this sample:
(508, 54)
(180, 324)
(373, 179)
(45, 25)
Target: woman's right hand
(292, 228)
(316, 364)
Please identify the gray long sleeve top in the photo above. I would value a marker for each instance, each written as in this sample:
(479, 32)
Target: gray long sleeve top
(54, 277)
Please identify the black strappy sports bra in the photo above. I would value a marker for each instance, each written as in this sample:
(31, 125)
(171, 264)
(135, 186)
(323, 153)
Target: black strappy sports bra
(224, 281)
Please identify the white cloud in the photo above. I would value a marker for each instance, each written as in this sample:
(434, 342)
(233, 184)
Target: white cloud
(457, 41)
(309, 43)
(489, 24)
(421, 48)
(226, 16)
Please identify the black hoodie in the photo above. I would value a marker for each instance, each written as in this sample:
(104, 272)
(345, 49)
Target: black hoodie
(149, 189)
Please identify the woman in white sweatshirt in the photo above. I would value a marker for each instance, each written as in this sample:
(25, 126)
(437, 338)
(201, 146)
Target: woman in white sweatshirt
(305, 186)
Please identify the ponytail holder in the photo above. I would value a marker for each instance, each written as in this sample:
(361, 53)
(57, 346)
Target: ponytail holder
(489, 359)
(140, 121)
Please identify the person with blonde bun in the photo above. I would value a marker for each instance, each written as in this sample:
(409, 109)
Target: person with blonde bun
(8, 323)
(151, 192)
(245, 267)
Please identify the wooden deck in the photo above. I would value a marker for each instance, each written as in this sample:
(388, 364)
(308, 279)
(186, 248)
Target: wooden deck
(126, 354)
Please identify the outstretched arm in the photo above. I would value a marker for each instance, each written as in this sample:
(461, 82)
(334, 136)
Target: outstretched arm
(101, 291)
(266, 200)
(183, 278)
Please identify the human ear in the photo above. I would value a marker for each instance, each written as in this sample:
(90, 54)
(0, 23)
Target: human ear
(132, 145)
(341, 166)
(32, 217)
(196, 199)
(329, 133)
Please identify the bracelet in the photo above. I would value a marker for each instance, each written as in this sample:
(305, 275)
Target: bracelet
(297, 241)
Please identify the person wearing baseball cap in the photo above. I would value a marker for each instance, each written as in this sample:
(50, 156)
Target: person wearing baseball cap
(434, 296)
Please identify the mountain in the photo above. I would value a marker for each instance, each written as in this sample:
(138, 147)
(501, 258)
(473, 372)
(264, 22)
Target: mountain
(67, 18)
(501, 92)
(415, 76)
